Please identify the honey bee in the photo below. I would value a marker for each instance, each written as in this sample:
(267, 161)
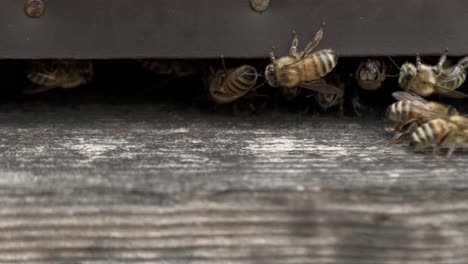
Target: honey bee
(425, 80)
(371, 74)
(439, 133)
(412, 111)
(177, 68)
(330, 100)
(303, 69)
(226, 86)
(51, 74)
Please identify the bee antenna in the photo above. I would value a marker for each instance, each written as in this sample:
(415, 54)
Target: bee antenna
(392, 75)
(393, 62)
(223, 63)
(255, 74)
(258, 86)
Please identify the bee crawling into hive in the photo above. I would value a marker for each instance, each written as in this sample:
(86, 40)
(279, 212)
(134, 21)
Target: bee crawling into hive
(50, 74)
(229, 85)
(326, 101)
(302, 69)
(425, 80)
(411, 111)
(371, 73)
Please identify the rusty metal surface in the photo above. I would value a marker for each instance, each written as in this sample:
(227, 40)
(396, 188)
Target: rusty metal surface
(209, 28)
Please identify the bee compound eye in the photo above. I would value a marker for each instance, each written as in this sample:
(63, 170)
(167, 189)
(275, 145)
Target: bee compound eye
(271, 69)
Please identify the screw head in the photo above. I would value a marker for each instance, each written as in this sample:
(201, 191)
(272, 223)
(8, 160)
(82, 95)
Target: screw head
(34, 8)
(259, 5)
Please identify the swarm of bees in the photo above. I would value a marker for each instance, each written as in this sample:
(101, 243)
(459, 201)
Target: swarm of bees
(312, 74)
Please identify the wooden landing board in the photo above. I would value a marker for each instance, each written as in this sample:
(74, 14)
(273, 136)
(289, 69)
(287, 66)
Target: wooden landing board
(143, 183)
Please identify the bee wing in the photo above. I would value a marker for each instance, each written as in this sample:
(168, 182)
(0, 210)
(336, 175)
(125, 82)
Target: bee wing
(315, 41)
(423, 109)
(447, 92)
(322, 87)
(407, 96)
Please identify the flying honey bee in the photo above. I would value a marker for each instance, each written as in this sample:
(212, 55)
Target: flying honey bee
(303, 69)
(439, 133)
(411, 111)
(425, 80)
(371, 74)
(177, 68)
(226, 86)
(51, 74)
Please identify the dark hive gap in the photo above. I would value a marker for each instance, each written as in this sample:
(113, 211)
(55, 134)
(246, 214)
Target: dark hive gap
(128, 82)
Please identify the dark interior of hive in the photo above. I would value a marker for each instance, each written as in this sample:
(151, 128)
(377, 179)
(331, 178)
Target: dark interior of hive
(131, 81)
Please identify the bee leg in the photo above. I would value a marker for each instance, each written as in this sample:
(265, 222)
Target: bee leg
(358, 108)
(341, 108)
(442, 61)
(418, 62)
(435, 151)
(407, 127)
(450, 152)
(295, 42)
(396, 139)
(272, 56)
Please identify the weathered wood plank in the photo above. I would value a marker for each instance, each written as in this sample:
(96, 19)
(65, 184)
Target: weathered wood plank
(143, 183)
(240, 227)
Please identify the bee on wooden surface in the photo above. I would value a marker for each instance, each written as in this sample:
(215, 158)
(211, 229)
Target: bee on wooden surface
(303, 69)
(425, 80)
(411, 111)
(177, 68)
(226, 86)
(371, 74)
(439, 133)
(51, 74)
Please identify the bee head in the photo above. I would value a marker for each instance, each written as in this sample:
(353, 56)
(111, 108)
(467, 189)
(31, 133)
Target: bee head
(407, 73)
(326, 101)
(270, 75)
(371, 67)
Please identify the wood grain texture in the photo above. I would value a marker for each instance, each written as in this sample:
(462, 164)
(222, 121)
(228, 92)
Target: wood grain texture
(104, 183)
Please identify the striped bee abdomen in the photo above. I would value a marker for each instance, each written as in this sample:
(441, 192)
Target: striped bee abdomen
(399, 111)
(456, 82)
(41, 78)
(232, 85)
(319, 64)
(429, 134)
(243, 79)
